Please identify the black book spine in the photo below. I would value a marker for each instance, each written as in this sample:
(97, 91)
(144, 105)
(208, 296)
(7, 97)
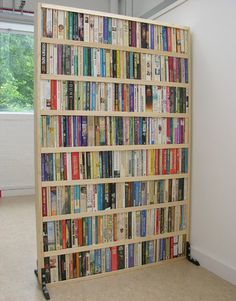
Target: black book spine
(121, 257)
(88, 165)
(127, 65)
(143, 252)
(63, 267)
(130, 33)
(81, 27)
(70, 95)
(75, 27)
(47, 269)
(45, 237)
(129, 225)
(43, 58)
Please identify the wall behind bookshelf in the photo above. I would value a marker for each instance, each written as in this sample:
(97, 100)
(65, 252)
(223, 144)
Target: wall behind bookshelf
(112, 128)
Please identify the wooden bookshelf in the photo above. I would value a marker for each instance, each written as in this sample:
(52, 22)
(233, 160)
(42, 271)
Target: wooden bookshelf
(155, 229)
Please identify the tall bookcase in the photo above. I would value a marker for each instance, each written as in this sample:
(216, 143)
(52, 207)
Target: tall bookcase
(112, 143)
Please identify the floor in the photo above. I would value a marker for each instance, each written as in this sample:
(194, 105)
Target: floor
(179, 281)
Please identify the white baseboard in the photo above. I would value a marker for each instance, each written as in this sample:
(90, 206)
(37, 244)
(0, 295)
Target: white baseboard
(17, 190)
(215, 266)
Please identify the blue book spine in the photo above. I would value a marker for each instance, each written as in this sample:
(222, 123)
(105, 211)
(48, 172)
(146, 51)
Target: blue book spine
(99, 196)
(161, 249)
(105, 30)
(90, 241)
(143, 223)
(109, 30)
(93, 96)
(43, 167)
(164, 38)
(104, 62)
(108, 260)
(186, 160)
(131, 255)
(99, 261)
(84, 126)
(186, 70)
(131, 97)
(152, 36)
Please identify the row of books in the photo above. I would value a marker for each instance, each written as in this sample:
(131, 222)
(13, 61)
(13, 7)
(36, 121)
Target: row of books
(72, 95)
(109, 164)
(70, 131)
(100, 29)
(91, 198)
(72, 233)
(69, 266)
(100, 62)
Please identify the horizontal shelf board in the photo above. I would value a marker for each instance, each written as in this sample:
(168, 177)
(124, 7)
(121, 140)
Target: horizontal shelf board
(112, 211)
(110, 148)
(112, 46)
(112, 180)
(111, 80)
(114, 113)
(105, 14)
(148, 265)
(113, 244)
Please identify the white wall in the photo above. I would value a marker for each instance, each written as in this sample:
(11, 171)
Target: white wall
(16, 154)
(213, 228)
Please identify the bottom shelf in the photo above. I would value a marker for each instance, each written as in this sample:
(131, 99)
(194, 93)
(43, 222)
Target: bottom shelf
(94, 263)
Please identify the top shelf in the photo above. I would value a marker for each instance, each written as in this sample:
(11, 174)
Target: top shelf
(105, 14)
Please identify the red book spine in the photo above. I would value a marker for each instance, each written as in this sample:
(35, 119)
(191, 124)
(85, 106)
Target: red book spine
(171, 70)
(75, 166)
(114, 258)
(156, 162)
(178, 78)
(80, 232)
(65, 166)
(133, 35)
(63, 226)
(130, 195)
(54, 94)
(59, 131)
(169, 42)
(168, 131)
(172, 161)
(44, 201)
(164, 161)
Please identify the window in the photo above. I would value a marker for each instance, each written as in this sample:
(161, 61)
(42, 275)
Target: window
(16, 70)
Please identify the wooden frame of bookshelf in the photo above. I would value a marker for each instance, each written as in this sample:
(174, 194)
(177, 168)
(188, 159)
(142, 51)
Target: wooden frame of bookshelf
(39, 149)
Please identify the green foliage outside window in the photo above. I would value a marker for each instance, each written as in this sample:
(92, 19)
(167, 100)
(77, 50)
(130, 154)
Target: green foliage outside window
(16, 72)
